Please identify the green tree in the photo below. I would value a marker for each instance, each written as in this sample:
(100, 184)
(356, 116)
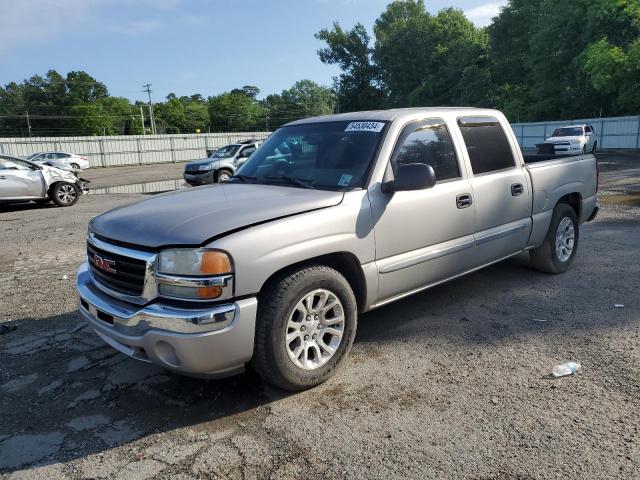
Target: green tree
(304, 99)
(429, 59)
(235, 111)
(358, 86)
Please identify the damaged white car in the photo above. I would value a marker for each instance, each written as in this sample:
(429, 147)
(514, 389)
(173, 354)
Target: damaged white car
(23, 181)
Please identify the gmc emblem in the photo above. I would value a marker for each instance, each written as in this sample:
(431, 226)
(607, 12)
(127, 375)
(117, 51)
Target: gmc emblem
(104, 264)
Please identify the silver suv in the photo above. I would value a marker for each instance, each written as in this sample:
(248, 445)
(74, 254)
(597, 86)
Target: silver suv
(221, 165)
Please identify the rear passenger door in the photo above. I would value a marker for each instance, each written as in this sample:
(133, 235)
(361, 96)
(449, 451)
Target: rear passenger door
(424, 236)
(501, 192)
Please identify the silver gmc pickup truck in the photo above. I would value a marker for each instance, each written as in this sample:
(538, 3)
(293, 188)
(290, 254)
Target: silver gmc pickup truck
(333, 216)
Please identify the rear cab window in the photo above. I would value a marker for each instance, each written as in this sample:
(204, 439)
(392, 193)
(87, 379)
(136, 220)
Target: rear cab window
(487, 144)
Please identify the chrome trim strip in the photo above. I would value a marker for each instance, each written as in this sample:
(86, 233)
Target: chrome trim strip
(125, 252)
(196, 282)
(500, 234)
(425, 257)
(135, 321)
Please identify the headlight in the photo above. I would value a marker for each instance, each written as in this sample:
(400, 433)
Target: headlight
(194, 274)
(204, 168)
(576, 142)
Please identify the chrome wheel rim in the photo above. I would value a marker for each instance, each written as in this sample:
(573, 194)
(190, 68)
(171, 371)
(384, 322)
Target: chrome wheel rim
(224, 177)
(565, 238)
(66, 194)
(314, 329)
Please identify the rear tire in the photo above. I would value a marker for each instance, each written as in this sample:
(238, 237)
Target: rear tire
(560, 245)
(223, 175)
(75, 166)
(64, 194)
(296, 347)
(593, 149)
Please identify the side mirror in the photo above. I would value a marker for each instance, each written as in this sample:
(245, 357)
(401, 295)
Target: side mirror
(588, 134)
(411, 176)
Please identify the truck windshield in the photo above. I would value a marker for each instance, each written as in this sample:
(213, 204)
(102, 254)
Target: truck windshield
(568, 132)
(224, 152)
(326, 155)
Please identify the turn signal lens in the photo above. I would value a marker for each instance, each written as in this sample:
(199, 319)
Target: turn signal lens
(215, 263)
(209, 292)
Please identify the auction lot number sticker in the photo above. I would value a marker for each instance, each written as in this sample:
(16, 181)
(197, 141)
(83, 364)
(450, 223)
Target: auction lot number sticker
(365, 127)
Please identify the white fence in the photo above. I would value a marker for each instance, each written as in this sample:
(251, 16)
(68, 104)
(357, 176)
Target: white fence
(613, 133)
(122, 150)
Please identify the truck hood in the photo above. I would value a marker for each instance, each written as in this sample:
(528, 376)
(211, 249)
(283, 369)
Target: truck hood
(193, 216)
(563, 139)
(206, 161)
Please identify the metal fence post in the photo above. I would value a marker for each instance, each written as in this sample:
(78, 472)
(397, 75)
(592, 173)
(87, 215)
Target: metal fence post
(139, 151)
(602, 130)
(173, 150)
(102, 155)
(638, 135)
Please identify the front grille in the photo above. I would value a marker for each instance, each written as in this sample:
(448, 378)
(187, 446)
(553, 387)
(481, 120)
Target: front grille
(191, 169)
(129, 272)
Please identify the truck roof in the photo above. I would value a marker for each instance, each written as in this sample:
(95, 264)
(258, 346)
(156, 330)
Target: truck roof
(393, 114)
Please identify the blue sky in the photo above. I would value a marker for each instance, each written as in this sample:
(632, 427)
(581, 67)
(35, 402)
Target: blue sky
(185, 46)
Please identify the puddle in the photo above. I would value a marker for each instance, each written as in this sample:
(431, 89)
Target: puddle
(629, 198)
(147, 188)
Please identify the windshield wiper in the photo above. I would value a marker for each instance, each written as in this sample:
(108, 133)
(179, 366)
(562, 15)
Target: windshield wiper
(244, 178)
(296, 181)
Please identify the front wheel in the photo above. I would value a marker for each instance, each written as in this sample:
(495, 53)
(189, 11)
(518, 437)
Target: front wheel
(560, 245)
(64, 194)
(305, 327)
(223, 176)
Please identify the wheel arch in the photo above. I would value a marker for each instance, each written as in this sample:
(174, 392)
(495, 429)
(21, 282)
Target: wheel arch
(345, 263)
(574, 200)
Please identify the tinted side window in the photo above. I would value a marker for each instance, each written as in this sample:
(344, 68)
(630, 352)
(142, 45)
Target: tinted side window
(430, 144)
(487, 144)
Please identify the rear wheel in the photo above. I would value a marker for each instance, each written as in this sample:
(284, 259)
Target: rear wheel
(560, 245)
(223, 176)
(64, 194)
(305, 327)
(74, 166)
(593, 149)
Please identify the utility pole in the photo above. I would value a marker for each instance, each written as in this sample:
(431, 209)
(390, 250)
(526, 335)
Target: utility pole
(147, 88)
(28, 123)
(142, 120)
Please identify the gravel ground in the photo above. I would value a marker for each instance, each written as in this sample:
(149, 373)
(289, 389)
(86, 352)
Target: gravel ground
(450, 383)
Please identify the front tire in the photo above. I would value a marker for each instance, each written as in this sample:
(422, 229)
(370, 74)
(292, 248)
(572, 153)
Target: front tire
(305, 327)
(223, 176)
(560, 245)
(64, 194)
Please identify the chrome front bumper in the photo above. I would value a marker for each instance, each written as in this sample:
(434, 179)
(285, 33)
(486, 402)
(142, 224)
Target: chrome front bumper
(213, 341)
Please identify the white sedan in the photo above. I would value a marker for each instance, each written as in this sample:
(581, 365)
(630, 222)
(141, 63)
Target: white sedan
(72, 160)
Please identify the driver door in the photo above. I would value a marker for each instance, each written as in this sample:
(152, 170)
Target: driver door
(424, 236)
(19, 180)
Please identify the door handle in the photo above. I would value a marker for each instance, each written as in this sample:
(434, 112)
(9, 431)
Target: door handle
(464, 200)
(517, 189)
